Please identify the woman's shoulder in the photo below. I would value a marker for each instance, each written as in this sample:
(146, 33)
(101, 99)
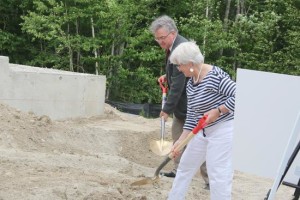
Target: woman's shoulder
(218, 72)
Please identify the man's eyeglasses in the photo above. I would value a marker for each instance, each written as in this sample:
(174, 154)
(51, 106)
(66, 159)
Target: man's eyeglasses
(162, 37)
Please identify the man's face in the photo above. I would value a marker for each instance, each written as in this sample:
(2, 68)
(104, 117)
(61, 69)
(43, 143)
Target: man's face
(164, 38)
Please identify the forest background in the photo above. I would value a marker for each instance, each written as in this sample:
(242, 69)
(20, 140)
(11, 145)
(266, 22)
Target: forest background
(112, 38)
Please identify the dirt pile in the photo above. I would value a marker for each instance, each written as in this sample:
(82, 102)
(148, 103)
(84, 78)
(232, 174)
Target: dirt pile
(93, 158)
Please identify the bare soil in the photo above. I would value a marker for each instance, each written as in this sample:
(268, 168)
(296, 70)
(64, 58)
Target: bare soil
(94, 158)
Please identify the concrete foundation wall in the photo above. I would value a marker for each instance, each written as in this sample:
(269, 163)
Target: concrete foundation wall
(55, 93)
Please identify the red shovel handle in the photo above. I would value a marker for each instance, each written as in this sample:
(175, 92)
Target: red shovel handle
(163, 86)
(201, 124)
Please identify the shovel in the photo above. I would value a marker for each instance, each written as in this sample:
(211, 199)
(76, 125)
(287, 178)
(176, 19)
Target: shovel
(201, 124)
(161, 147)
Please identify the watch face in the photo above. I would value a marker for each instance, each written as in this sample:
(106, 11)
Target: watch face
(220, 111)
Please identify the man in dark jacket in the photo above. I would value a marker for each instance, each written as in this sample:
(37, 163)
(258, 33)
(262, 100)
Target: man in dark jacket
(166, 34)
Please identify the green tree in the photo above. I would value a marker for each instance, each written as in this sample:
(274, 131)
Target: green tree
(111, 37)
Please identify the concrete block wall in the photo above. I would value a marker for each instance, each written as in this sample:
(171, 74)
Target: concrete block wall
(55, 93)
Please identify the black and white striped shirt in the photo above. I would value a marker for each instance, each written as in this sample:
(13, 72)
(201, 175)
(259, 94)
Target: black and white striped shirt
(214, 90)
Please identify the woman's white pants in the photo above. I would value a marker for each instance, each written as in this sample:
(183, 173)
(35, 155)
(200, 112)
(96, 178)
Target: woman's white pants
(216, 149)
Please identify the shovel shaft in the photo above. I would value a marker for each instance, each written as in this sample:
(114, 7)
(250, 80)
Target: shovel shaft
(166, 160)
(162, 132)
(170, 156)
(162, 121)
(201, 124)
(182, 144)
(164, 99)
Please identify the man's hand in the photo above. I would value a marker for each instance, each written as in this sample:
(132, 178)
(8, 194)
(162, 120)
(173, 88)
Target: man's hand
(162, 79)
(164, 115)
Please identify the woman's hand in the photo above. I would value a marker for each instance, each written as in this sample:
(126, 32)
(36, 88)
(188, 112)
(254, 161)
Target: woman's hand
(173, 149)
(215, 113)
(212, 115)
(175, 152)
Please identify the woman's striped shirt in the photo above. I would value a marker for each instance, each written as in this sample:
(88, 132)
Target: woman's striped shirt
(214, 90)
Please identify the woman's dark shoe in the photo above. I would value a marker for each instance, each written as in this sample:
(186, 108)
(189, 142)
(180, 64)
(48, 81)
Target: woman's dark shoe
(168, 174)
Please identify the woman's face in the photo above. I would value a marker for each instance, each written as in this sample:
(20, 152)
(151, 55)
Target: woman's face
(186, 69)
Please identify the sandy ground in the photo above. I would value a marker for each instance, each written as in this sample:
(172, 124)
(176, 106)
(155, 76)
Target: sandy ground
(94, 158)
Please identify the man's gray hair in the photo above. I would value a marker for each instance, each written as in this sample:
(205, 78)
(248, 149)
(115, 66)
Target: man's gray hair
(187, 52)
(165, 22)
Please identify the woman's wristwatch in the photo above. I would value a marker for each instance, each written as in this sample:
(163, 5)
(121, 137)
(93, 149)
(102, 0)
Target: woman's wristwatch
(219, 110)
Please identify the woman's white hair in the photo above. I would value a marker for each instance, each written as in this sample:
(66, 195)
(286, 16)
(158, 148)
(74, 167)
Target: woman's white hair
(187, 52)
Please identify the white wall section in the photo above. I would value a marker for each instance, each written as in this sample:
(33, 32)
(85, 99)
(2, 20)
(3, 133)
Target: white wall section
(55, 93)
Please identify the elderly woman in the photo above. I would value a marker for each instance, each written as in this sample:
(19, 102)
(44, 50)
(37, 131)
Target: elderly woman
(211, 92)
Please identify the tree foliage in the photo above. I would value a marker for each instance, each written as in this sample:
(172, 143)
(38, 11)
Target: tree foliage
(111, 37)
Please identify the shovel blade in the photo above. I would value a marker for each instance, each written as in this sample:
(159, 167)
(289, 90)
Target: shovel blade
(145, 181)
(160, 148)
